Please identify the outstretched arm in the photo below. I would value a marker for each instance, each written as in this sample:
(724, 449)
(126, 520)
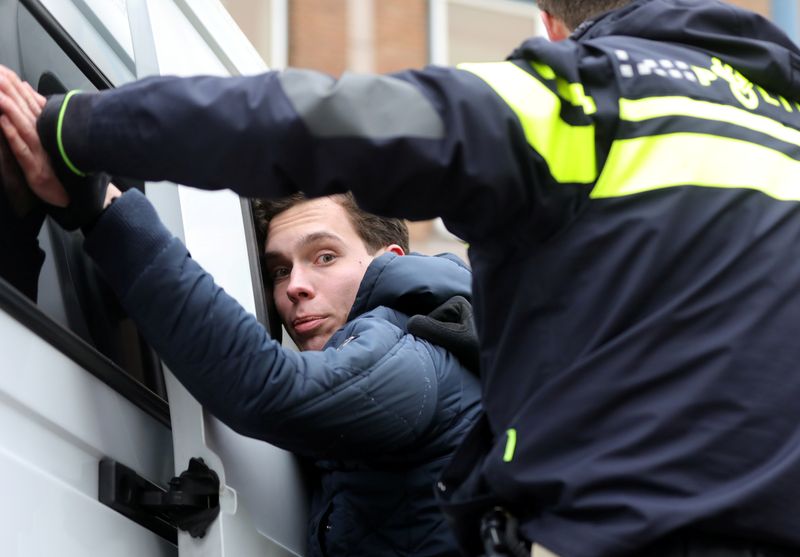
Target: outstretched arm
(417, 144)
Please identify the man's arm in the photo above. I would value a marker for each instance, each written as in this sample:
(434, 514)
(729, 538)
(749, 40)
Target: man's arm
(367, 398)
(436, 142)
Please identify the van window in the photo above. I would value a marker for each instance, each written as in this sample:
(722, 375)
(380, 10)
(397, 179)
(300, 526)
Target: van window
(265, 307)
(100, 28)
(75, 309)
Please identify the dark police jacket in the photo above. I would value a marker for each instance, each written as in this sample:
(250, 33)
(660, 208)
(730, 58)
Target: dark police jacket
(630, 197)
(377, 410)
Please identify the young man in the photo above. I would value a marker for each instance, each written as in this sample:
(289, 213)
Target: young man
(629, 198)
(378, 410)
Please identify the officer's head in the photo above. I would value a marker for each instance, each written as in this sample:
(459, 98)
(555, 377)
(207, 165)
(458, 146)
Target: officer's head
(316, 252)
(561, 17)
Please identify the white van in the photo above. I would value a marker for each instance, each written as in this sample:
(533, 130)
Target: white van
(92, 426)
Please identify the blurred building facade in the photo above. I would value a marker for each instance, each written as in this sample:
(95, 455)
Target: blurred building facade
(382, 36)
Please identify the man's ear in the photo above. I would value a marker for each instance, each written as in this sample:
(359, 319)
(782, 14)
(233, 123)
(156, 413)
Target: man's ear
(557, 30)
(395, 249)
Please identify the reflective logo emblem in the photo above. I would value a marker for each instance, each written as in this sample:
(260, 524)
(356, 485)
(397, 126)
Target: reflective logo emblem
(748, 94)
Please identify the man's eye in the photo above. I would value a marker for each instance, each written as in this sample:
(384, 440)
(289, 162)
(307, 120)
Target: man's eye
(279, 273)
(326, 258)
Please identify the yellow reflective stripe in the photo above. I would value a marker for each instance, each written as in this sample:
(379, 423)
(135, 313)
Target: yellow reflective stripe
(543, 70)
(658, 107)
(570, 92)
(650, 163)
(511, 445)
(569, 151)
(574, 93)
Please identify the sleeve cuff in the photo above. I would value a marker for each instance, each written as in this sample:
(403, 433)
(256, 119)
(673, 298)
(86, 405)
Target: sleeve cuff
(63, 128)
(126, 239)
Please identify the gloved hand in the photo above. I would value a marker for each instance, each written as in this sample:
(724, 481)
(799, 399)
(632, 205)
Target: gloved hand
(86, 198)
(450, 326)
(87, 192)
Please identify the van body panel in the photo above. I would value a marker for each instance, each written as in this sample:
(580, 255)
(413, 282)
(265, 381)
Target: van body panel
(56, 422)
(58, 419)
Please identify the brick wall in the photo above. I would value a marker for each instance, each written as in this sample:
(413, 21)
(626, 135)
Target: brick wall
(760, 6)
(318, 35)
(401, 31)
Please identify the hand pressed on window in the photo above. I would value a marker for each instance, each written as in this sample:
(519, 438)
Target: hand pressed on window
(20, 106)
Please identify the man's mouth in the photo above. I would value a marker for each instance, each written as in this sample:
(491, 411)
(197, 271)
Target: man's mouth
(307, 323)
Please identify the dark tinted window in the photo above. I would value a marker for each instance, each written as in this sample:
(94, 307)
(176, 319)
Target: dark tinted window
(70, 294)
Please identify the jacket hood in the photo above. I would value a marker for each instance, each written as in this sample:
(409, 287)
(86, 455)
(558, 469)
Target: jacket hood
(747, 41)
(412, 284)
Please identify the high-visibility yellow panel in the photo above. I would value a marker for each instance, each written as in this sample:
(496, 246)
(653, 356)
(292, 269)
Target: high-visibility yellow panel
(569, 151)
(658, 107)
(650, 163)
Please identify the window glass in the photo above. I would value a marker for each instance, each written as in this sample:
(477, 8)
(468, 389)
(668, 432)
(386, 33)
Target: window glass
(100, 28)
(70, 291)
(87, 44)
(182, 50)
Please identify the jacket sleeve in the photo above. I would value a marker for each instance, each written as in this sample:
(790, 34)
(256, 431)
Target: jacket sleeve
(375, 393)
(417, 144)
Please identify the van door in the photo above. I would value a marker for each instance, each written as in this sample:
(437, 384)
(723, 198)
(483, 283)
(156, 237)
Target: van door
(262, 498)
(77, 383)
(263, 502)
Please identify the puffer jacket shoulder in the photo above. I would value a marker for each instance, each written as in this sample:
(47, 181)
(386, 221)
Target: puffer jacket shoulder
(384, 504)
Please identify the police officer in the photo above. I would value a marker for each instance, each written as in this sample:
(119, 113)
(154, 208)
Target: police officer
(629, 196)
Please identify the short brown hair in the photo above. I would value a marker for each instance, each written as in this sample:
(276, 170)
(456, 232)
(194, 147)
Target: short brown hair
(376, 232)
(575, 12)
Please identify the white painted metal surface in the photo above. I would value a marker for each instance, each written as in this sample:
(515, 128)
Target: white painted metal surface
(57, 420)
(264, 502)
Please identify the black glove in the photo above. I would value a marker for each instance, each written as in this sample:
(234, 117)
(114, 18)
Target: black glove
(86, 198)
(450, 326)
(87, 192)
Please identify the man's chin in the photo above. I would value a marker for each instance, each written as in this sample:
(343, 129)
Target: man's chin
(312, 343)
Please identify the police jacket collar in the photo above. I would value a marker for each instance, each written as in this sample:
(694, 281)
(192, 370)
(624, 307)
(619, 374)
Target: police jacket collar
(745, 40)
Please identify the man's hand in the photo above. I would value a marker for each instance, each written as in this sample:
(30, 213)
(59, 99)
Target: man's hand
(112, 193)
(20, 106)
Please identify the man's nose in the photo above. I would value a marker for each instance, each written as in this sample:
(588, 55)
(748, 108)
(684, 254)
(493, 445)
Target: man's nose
(300, 285)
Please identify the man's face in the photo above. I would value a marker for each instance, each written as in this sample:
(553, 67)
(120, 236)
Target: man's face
(315, 260)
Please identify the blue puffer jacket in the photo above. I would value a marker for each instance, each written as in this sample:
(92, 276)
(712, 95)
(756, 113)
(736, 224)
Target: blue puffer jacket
(378, 410)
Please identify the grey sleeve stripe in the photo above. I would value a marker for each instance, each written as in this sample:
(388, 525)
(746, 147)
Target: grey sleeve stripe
(367, 106)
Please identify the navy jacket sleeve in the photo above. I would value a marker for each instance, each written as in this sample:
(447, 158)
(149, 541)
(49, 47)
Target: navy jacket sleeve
(375, 393)
(417, 144)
